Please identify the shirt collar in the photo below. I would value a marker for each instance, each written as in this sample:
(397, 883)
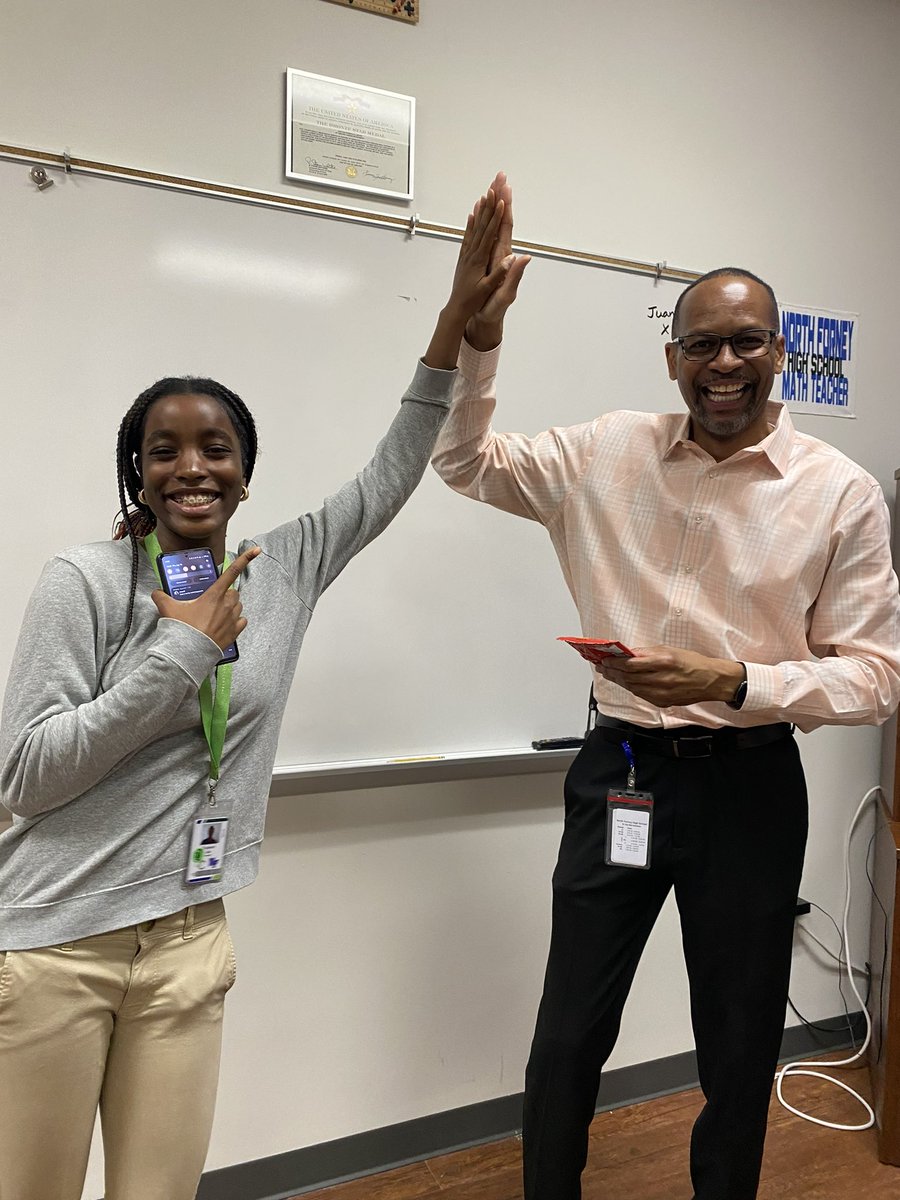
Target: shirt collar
(776, 446)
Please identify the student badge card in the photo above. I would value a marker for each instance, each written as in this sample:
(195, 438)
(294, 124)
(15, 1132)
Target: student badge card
(206, 856)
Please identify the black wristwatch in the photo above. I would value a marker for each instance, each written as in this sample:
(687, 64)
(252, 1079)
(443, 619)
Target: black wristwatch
(740, 692)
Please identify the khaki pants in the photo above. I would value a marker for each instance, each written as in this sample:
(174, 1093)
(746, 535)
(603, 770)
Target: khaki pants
(131, 1021)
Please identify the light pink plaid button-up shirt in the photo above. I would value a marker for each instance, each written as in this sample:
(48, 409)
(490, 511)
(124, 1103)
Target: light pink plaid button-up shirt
(778, 557)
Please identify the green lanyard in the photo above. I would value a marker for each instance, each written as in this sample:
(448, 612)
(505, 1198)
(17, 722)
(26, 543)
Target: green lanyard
(213, 711)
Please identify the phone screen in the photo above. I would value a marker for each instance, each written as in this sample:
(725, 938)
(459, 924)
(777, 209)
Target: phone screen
(186, 574)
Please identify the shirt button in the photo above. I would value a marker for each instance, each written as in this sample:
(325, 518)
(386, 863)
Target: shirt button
(698, 519)
(712, 474)
(677, 612)
(687, 570)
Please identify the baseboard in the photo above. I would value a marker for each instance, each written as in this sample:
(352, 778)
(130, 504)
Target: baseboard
(283, 1175)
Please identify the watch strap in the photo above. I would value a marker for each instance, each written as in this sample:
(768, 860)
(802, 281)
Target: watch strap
(740, 693)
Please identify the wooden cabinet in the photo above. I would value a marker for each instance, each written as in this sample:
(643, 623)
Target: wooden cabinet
(884, 998)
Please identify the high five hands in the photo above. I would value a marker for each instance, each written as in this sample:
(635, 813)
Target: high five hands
(484, 330)
(485, 282)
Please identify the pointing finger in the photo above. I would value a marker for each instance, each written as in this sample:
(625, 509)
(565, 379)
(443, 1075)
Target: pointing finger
(237, 567)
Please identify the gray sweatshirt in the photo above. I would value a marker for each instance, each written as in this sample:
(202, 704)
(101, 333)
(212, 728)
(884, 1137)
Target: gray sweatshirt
(104, 777)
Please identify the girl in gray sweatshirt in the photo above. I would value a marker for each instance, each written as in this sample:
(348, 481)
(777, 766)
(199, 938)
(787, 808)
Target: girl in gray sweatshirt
(106, 768)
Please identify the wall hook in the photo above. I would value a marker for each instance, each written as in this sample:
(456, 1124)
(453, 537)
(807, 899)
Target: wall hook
(41, 178)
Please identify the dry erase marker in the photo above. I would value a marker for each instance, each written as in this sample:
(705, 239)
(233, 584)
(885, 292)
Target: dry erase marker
(560, 743)
(419, 758)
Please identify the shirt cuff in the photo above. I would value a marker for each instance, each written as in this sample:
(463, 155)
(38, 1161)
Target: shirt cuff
(433, 385)
(765, 688)
(478, 365)
(195, 653)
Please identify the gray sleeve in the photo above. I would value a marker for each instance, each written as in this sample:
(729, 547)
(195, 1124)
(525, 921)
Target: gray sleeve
(58, 736)
(315, 548)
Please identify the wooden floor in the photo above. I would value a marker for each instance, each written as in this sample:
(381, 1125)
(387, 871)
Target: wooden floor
(640, 1153)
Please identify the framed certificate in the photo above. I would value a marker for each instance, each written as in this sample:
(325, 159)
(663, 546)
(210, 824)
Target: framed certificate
(404, 10)
(346, 135)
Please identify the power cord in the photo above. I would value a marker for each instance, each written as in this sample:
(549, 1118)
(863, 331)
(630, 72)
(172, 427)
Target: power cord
(803, 1068)
(839, 959)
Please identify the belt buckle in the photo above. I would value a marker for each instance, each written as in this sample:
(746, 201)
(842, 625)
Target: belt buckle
(693, 747)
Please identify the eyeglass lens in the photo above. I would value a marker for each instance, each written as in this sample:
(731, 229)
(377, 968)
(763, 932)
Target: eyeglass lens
(750, 343)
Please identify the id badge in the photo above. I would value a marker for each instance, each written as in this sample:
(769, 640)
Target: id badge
(629, 823)
(206, 857)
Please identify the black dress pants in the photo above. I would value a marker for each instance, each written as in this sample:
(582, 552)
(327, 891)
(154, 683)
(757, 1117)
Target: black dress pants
(729, 834)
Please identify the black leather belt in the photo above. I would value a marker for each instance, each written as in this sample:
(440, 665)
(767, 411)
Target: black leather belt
(689, 741)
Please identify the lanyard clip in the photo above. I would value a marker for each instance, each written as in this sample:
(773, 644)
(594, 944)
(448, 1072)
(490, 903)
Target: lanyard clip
(632, 769)
(592, 713)
(211, 795)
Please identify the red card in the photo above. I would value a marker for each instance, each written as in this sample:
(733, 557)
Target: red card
(596, 650)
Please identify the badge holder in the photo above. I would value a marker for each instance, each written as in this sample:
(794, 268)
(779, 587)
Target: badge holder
(209, 833)
(629, 822)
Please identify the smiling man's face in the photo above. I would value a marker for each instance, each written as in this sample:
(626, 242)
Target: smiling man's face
(727, 395)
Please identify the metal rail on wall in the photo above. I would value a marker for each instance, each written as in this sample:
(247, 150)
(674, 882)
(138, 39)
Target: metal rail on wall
(411, 226)
(40, 167)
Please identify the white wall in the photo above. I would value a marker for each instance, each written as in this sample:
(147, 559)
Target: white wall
(391, 953)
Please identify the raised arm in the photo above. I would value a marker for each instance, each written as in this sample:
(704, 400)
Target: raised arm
(320, 545)
(529, 477)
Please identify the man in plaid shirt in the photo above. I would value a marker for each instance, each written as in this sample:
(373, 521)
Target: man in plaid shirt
(749, 567)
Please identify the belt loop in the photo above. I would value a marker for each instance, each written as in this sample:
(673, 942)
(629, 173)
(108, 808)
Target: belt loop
(188, 931)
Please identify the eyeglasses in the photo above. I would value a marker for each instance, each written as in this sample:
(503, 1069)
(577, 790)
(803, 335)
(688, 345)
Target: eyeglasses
(704, 347)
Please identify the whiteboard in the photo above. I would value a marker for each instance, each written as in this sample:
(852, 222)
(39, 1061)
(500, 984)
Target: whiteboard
(440, 636)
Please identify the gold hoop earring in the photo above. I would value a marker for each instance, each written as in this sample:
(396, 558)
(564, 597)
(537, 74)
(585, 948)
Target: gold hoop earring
(142, 499)
(245, 492)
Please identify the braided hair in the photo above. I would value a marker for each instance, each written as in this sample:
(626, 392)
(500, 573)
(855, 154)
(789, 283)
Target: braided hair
(137, 519)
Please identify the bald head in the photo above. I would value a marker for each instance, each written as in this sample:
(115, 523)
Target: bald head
(679, 324)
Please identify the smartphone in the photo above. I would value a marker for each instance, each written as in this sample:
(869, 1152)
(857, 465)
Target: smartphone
(185, 575)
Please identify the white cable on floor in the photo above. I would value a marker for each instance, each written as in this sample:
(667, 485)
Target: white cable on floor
(800, 1068)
